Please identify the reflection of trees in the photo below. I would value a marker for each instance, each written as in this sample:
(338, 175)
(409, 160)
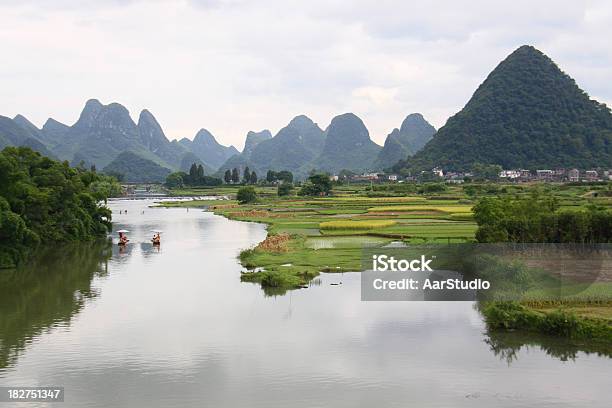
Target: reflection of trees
(506, 345)
(47, 292)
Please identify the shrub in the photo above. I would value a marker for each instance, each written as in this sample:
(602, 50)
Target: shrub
(284, 189)
(246, 195)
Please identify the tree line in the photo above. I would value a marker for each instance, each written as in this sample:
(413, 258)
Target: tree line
(538, 219)
(43, 201)
(233, 176)
(194, 178)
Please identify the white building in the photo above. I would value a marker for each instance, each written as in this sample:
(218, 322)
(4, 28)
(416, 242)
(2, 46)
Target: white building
(573, 175)
(510, 174)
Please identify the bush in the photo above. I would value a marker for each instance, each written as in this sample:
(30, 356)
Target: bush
(284, 189)
(317, 185)
(246, 195)
(175, 180)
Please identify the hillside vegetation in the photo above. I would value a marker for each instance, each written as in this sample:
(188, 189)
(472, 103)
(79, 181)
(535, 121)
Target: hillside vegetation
(526, 114)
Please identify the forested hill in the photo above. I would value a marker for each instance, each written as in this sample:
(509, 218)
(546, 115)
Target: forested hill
(134, 168)
(43, 201)
(526, 114)
(414, 133)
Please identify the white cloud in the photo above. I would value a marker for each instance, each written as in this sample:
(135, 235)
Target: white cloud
(232, 65)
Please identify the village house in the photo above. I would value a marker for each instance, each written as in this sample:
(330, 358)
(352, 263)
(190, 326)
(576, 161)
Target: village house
(510, 174)
(365, 177)
(547, 175)
(437, 172)
(573, 175)
(591, 175)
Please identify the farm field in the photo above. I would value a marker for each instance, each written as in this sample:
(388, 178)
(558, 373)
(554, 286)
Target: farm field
(310, 235)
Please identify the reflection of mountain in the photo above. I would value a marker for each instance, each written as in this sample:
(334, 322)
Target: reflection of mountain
(47, 292)
(506, 345)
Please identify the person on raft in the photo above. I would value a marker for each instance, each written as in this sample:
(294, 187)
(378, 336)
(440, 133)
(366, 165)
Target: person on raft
(123, 239)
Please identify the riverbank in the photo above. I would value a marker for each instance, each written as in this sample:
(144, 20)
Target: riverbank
(561, 322)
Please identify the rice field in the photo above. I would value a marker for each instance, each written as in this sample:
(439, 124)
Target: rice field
(345, 242)
(356, 225)
(450, 209)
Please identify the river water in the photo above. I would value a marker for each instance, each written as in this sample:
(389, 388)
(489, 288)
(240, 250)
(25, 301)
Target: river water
(174, 327)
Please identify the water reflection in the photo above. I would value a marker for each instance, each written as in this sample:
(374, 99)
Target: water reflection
(507, 345)
(48, 292)
(178, 328)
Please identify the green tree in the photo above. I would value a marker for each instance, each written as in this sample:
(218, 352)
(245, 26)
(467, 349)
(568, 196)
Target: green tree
(15, 236)
(284, 189)
(227, 177)
(253, 178)
(200, 172)
(246, 195)
(285, 176)
(317, 185)
(175, 180)
(486, 171)
(235, 175)
(46, 201)
(193, 172)
(247, 175)
(271, 176)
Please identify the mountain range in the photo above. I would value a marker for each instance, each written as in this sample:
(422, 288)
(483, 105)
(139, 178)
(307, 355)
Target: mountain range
(526, 114)
(103, 133)
(302, 146)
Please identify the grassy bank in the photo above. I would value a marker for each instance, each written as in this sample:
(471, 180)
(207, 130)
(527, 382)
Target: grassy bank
(561, 322)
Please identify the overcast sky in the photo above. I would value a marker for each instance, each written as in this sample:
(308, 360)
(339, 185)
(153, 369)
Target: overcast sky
(231, 66)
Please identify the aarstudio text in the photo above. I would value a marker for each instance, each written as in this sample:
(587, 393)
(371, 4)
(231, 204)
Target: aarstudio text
(385, 263)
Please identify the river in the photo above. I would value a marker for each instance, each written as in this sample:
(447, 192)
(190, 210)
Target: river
(174, 327)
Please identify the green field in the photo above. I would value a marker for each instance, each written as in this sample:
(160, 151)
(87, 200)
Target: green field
(328, 234)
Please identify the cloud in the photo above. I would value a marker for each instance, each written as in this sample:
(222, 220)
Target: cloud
(376, 95)
(232, 65)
